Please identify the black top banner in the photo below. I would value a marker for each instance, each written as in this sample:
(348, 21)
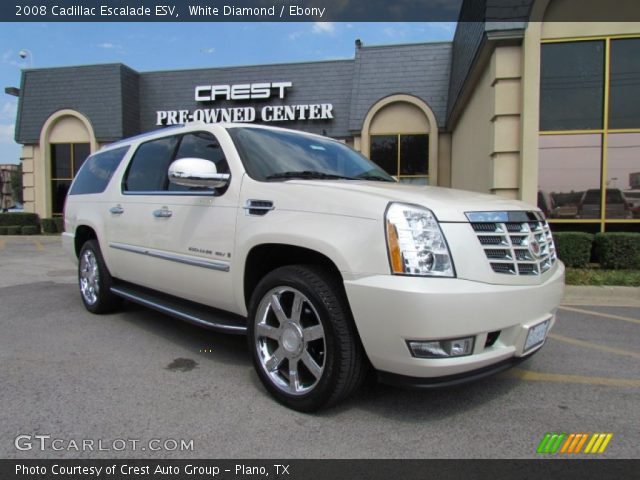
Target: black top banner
(500, 11)
(229, 10)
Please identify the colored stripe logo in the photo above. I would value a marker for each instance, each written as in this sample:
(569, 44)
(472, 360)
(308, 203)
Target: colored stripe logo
(571, 443)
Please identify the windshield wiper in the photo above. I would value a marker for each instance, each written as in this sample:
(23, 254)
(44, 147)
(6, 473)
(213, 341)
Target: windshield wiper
(307, 175)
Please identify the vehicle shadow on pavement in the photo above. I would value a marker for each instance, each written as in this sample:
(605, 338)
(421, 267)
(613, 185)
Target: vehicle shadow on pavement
(207, 346)
(400, 404)
(415, 405)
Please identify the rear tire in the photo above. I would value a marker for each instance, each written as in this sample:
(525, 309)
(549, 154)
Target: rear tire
(95, 280)
(304, 343)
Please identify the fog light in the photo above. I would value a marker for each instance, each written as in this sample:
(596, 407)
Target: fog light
(458, 347)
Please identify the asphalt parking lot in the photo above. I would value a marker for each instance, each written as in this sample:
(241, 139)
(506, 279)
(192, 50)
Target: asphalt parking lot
(140, 375)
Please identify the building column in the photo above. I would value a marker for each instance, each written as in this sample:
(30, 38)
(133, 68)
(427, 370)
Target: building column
(27, 157)
(506, 83)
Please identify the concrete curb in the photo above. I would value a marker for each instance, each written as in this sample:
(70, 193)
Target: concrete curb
(602, 296)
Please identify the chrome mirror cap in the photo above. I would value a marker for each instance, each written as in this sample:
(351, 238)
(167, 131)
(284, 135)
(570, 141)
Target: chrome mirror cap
(197, 172)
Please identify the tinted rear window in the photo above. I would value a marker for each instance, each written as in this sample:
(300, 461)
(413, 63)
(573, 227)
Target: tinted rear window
(96, 172)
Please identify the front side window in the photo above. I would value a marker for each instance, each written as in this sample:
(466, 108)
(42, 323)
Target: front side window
(270, 155)
(148, 168)
(200, 145)
(66, 160)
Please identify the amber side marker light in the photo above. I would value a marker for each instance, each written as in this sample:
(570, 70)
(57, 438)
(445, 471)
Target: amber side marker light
(397, 265)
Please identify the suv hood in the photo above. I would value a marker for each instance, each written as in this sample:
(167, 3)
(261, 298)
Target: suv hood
(368, 198)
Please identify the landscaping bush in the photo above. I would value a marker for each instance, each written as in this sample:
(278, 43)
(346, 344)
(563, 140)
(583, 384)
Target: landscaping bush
(3, 230)
(618, 250)
(14, 230)
(48, 225)
(30, 230)
(21, 219)
(573, 248)
(59, 221)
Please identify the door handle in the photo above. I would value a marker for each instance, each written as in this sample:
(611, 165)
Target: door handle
(163, 212)
(117, 210)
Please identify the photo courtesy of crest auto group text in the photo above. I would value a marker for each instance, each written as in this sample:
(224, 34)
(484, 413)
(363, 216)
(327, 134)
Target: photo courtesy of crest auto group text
(307, 238)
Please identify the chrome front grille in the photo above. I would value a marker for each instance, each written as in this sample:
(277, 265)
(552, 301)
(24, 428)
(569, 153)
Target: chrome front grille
(517, 247)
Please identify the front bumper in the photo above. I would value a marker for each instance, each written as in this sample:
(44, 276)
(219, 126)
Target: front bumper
(390, 310)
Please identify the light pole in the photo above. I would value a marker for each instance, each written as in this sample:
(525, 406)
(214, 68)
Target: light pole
(24, 53)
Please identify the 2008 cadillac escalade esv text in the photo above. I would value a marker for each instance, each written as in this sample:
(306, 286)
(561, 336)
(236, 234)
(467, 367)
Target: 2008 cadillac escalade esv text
(330, 266)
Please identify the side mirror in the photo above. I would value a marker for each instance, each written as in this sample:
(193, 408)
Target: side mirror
(197, 172)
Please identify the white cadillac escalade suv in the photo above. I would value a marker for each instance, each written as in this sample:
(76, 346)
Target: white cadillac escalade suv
(327, 264)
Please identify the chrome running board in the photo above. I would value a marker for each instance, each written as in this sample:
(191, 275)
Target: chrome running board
(195, 313)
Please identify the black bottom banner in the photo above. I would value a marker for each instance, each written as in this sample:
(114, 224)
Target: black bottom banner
(317, 469)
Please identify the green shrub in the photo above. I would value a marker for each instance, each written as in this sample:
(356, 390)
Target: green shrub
(14, 230)
(48, 225)
(573, 248)
(30, 230)
(59, 221)
(618, 250)
(19, 218)
(3, 230)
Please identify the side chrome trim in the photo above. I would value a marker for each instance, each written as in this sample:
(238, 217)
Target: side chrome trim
(176, 313)
(258, 207)
(172, 257)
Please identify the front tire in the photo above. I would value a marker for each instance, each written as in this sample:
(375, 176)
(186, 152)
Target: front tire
(304, 343)
(95, 280)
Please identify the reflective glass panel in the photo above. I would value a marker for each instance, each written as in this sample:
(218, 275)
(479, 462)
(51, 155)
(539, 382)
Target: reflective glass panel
(624, 99)
(572, 86)
(623, 176)
(569, 176)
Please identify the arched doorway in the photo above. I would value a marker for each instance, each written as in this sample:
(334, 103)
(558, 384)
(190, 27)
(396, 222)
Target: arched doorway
(400, 133)
(66, 140)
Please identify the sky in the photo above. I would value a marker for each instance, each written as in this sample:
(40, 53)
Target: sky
(167, 46)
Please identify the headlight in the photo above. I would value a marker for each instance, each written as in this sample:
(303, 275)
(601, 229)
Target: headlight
(415, 242)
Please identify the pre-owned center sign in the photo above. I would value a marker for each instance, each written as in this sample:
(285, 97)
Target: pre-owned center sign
(244, 92)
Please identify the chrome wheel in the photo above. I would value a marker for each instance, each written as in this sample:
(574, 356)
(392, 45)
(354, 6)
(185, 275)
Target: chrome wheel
(89, 277)
(290, 340)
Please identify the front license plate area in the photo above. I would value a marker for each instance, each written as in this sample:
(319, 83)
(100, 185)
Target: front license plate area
(536, 335)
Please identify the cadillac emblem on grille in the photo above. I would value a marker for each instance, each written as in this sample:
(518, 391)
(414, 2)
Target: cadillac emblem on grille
(515, 243)
(534, 246)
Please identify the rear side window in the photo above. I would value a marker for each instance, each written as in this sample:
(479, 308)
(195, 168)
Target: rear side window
(148, 168)
(96, 172)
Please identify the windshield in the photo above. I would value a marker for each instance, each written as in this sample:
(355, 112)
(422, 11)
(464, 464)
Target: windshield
(270, 155)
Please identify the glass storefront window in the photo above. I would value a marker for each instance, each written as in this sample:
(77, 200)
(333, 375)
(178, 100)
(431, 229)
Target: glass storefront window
(572, 86)
(66, 160)
(59, 189)
(414, 155)
(624, 99)
(80, 153)
(384, 152)
(409, 163)
(589, 157)
(61, 160)
(623, 176)
(569, 176)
